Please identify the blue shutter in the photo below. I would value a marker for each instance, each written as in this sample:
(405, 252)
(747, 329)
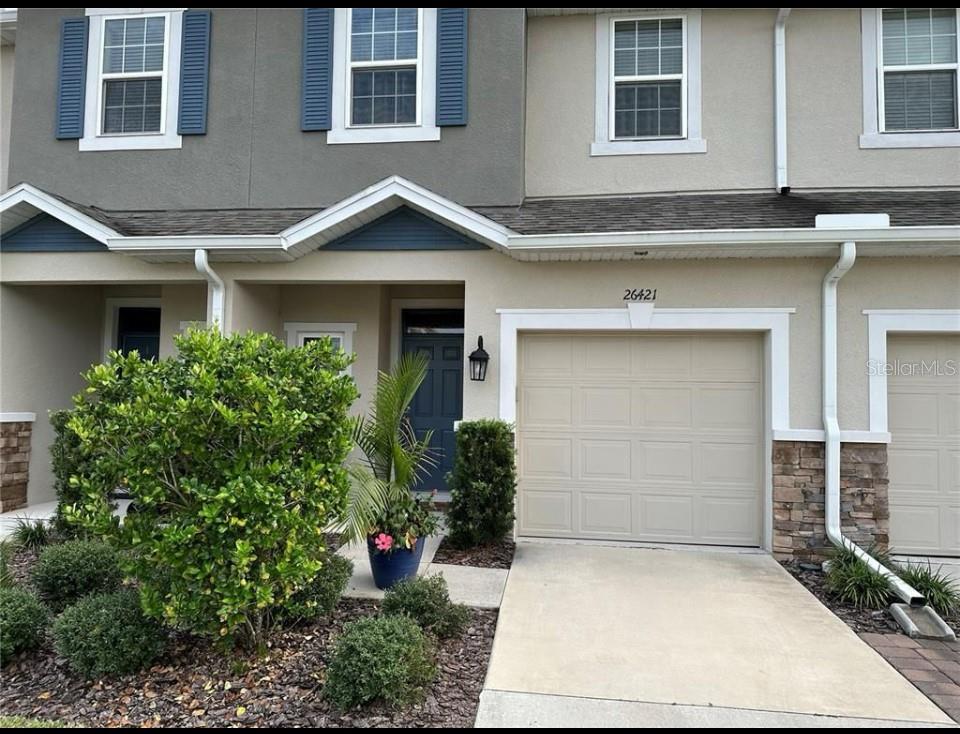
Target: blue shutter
(72, 79)
(317, 68)
(451, 66)
(194, 73)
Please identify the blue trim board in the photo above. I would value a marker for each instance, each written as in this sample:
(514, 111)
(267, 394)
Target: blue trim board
(404, 229)
(45, 233)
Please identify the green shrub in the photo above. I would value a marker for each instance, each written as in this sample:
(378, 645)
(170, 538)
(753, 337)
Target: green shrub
(7, 549)
(233, 452)
(32, 534)
(483, 483)
(939, 589)
(853, 582)
(23, 620)
(74, 569)
(426, 601)
(319, 597)
(107, 634)
(67, 460)
(379, 659)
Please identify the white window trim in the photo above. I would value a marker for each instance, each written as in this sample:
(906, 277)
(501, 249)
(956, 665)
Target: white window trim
(111, 318)
(882, 322)
(297, 331)
(693, 142)
(871, 33)
(168, 138)
(426, 129)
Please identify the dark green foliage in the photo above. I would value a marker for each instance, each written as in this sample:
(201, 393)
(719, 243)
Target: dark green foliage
(67, 460)
(74, 569)
(233, 453)
(23, 619)
(319, 597)
(483, 483)
(426, 601)
(379, 659)
(7, 549)
(853, 582)
(32, 534)
(107, 634)
(937, 588)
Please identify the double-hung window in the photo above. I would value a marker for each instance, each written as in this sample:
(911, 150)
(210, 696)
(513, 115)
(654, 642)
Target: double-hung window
(133, 79)
(648, 80)
(919, 69)
(384, 66)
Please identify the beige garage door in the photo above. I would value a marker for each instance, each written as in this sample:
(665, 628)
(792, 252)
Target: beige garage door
(641, 437)
(924, 457)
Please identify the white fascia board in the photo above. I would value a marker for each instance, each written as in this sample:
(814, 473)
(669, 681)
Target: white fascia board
(270, 247)
(25, 195)
(324, 226)
(773, 237)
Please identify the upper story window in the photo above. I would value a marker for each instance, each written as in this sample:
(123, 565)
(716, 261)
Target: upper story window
(133, 80)
(384, 66)
(384, 75)
(648, 84)
(918, 69)
(910, 77)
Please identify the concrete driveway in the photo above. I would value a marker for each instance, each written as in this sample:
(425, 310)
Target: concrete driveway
(608, 636)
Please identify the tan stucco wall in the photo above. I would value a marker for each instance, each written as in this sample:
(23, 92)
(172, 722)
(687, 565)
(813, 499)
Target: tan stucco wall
(6, 105)
(179, 303)
(824, 107)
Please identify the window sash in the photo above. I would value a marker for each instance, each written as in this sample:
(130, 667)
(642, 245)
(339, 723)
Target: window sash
(386, 64)
(883, 69)
(105, 76)
(615, 78)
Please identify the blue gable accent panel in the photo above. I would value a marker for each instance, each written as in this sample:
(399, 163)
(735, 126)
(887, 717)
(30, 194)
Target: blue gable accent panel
(317, 69)
(194, 72)
(451, 66)
(44, 233)
(404, 229)
(72, 78)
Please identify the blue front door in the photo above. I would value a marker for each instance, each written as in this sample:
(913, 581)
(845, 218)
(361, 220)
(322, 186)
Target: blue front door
(439, 401)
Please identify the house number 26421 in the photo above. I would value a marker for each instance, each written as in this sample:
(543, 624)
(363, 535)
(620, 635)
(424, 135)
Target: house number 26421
(641, 295)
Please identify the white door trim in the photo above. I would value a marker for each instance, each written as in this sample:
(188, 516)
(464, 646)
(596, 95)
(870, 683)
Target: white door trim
(397, 306)
(111, 315)
(881, 322)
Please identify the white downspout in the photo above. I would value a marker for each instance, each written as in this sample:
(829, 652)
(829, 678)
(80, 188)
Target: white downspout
(831, 428)
(780, 99)
(215, 311)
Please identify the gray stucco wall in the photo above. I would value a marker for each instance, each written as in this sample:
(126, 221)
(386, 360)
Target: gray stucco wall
(254, 153)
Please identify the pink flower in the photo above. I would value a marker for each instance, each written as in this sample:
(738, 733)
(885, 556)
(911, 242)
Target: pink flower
(383, 542)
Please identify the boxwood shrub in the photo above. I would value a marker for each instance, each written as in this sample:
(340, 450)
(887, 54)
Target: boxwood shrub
(23, 619)
(483, 483)
(379, 659)
(75, 568)
(107, 634)
(426, 601)
(319, 597)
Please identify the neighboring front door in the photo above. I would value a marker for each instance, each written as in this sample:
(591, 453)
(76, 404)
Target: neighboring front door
(439, 402)
(138, 329)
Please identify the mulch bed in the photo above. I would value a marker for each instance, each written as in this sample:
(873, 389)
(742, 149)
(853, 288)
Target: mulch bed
(492, 555)
(196, 685)
(859, 620)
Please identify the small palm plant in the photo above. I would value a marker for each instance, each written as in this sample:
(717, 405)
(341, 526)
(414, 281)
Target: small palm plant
(381, 505)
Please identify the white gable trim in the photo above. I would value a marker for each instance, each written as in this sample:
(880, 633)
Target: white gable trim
(23, 202)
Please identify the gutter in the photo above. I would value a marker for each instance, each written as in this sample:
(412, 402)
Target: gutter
(780, 99)
(831, 428)
(217, 289)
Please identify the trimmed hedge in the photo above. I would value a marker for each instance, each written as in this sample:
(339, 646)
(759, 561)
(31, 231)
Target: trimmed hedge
(483, 483)
(321, 595)
(23, 620)
(108, 634)
(426, 601)
(74, 569)
(379, 659)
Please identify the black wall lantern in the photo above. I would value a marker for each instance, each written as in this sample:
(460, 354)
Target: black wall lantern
(478, 362)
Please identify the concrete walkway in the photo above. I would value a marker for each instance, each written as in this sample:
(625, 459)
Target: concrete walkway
(637, 637)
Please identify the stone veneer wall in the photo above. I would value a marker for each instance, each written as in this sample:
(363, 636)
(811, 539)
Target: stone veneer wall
(799, 532)
(14, 464)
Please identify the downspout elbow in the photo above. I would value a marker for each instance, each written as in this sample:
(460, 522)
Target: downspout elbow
(217, 288)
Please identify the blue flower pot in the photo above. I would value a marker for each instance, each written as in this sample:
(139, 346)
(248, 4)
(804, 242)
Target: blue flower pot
(397, 565)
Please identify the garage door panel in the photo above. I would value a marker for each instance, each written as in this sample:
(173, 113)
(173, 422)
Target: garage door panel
(923, 401)
(639, 443)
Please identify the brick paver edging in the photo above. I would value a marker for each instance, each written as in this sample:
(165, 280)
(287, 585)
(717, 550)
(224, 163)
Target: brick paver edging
(932, 666)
